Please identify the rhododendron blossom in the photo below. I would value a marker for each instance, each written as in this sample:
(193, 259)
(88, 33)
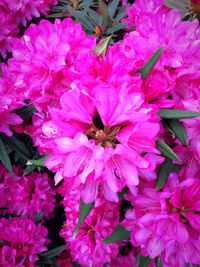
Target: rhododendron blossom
(13, 13)
(166, 223)
(22, 240)
(102, 116)
(26, 195)
(99, 134)
(88, 248)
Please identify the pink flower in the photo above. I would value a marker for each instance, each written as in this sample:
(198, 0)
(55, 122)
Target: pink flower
(9, 101)
(55, 47)
(87, 247)
(64, 259)
(13, 13)
(104, 124)
(127, 259)
(81, 156)
(27, 195)
(21, 241)
(176, 61)
(142, 9)
(25, 9)
(167, 223)
(119, 170)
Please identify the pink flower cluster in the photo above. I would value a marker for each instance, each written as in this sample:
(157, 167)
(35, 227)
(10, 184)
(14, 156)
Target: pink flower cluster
(23, 198)
(166, 223)
(26, 196)
(97, 120)
(16, 12)
(21, 241)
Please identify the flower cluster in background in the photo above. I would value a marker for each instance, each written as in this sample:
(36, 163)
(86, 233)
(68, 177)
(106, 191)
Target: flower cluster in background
(17, 12)
(100, 142)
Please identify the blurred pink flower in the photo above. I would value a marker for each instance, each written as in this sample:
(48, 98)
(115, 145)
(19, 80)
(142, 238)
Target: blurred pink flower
(27, 196)
(21, 241)
(87, 247)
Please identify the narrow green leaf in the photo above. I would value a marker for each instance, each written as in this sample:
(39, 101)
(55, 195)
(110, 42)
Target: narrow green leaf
(158, 262)
(144, 261)
(177, 114)
(113, 7)
(54, 252)
(105, 14)
(165, 169)
(29, 169)
(166, 150)
(163, 174)
(37, 162)
(76, 264)
(4, 157)
(119, 234)
(147, 68)
(39, 216)
(18, 146)
(26, 112)
(179, 131)
(93, 15)
(55, 15)
(102, 47)
(166, 126)
(120, 15)
(43, 262)
(116, 28)
(176, 167)
(84, 210)
(84, 20)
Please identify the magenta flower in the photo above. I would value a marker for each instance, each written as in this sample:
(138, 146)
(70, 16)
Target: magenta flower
(21, 241)
(27, 195)
(87, 247)
(167, 223)
(9, 101)
(104, 125)
(55, 47)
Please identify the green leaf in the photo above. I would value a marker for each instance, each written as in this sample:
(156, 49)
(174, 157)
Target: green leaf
(93, 15)
(177, 114)
(179, 131)
(116, 28)
(26, 112)
(4, 157)
(102, 47)
(44, 262)
(166, 150)
(147, 68)
(113, 7)
(54, 252)
(29, 169)
(17, 146)
(120, 15)
(144, 261)
(39, 216)
(84, 210)
(105, 14)
(158, 262)
(119, 234)
(37, 162)
(165, 169)
(84, 20)
(163, 174)
(166, 126)
(76, 264)
(176, 167)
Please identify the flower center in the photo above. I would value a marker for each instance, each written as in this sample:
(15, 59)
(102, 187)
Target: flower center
(103, 135)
